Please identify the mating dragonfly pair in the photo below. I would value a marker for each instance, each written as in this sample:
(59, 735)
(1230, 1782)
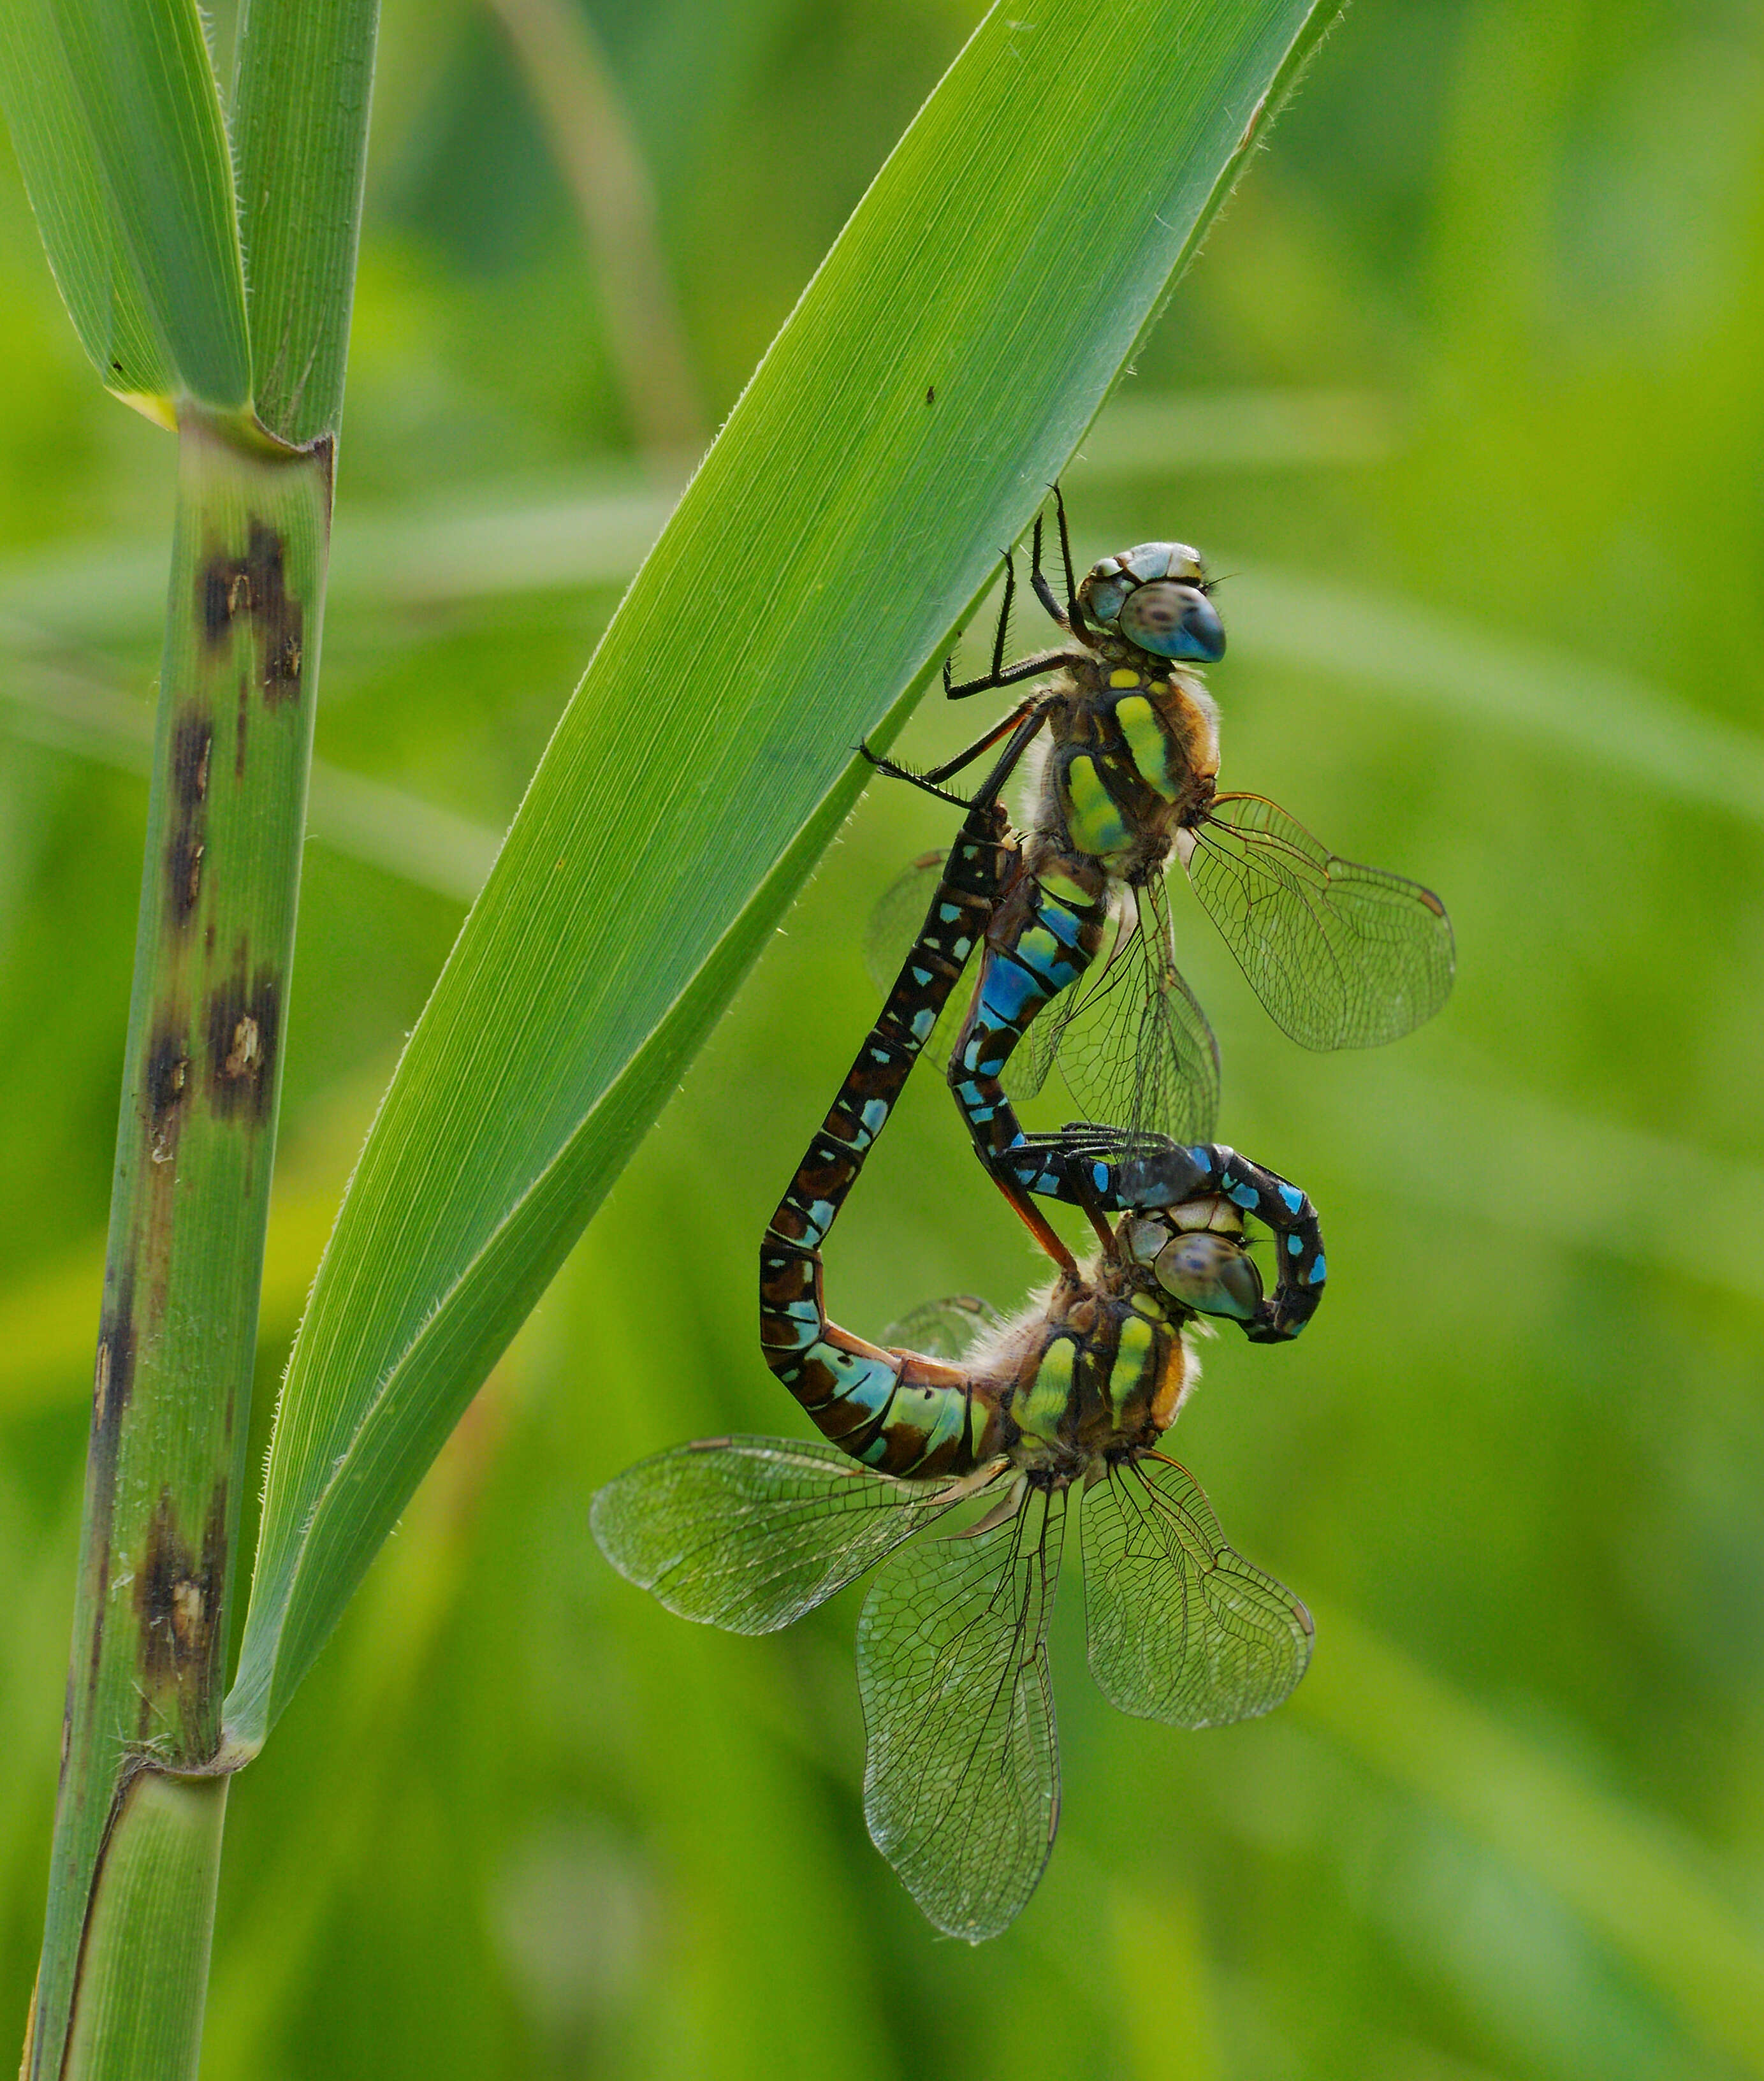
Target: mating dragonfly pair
(961, 1782)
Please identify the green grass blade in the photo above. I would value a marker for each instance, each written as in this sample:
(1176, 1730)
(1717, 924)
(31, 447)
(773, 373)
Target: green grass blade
(59, 159)
(936, 376)
(144, 1967)
(118, 123)
(303, 81)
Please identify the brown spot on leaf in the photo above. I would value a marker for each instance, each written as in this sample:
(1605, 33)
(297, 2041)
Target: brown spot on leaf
(164, 1086)
(178, 1596)
(191, 740)
(244, 1021)
(278, 621)
(113, 1379)
(183, 873)
(214, 599)
(255, 586)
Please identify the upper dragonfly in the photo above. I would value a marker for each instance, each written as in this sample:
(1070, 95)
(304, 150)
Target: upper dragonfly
(1341, 955)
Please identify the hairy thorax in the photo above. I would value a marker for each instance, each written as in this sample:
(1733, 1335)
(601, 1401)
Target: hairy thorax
(1092, 1370)
(1133, 758)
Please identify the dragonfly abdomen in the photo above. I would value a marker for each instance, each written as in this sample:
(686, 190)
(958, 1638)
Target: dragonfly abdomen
(897, 1413)
(1043, 951)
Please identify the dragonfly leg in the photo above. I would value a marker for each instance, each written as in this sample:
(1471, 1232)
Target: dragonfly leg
(1000, 637)
(1037, 1223)
(1039, 578)
(1071, 616)
(1096, 1215)
(1011, 675)
(892, 770)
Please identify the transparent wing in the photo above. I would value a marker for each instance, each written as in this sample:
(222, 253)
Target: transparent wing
(894, 923)
(1341, 955)
(1027, 1070)
(894, 927)
(1181, 1629)
(1135, 1047)
(961, 1783)
(944, 1329)
(749, 1533)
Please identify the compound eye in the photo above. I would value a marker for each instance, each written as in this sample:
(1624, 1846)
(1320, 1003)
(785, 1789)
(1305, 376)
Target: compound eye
(1211, 1274)
(1173, 620)
(1101, 593)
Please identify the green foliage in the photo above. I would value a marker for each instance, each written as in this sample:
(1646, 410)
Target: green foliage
(140, 2003)
(116, 119)
(117, 122)
(300, 132)
(707, 757)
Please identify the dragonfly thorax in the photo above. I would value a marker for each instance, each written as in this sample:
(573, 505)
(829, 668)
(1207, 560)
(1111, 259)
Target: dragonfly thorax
(1102, 1365)
(1132, 760)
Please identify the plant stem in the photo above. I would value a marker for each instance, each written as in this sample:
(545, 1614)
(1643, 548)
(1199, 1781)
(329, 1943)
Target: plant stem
(170, 1416)
(599, 155)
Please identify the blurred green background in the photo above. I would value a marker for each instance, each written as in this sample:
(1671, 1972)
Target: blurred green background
(1465, 394)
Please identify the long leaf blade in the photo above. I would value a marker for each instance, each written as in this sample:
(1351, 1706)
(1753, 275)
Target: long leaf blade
(301, 96)
(937, 375)
(116, 119)
(59, 159)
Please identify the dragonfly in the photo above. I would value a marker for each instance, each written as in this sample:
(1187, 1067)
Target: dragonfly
(1066, 1403)
(900, 1411)
(1079, 956)
(962, 1780)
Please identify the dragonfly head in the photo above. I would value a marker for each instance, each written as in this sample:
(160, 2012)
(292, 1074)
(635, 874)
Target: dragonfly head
(1195, 1253)
(1155, 597)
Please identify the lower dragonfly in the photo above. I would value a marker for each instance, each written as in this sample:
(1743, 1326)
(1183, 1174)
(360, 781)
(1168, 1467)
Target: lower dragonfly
(961, 1783)
(1341, 955)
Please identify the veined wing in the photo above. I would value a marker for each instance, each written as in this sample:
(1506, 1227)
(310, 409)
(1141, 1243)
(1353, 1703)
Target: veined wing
(1341, 955)
(894, 925)
(749, 1533)
(1027, 1070)
(961, 1782)
(1181, 1629)
(944, 1329)
(1134, 1045)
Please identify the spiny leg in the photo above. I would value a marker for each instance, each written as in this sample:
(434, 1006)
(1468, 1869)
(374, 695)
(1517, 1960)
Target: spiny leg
(1000, 637)
(1038, 578)
(1003, 674)
(892, 769)
(1072, 616)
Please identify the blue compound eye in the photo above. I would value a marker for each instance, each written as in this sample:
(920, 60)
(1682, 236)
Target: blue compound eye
(1102, 594)
(1173, 620)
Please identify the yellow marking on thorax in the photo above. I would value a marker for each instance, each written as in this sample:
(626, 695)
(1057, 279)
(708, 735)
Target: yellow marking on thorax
(1064, 890)
(1123, 676)
(1095, 822)
(1139, 1339)
(1146, 743)
(1038, 1411)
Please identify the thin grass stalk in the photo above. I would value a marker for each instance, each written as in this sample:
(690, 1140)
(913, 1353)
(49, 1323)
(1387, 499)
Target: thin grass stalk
(596, 152)
(167, 1463)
